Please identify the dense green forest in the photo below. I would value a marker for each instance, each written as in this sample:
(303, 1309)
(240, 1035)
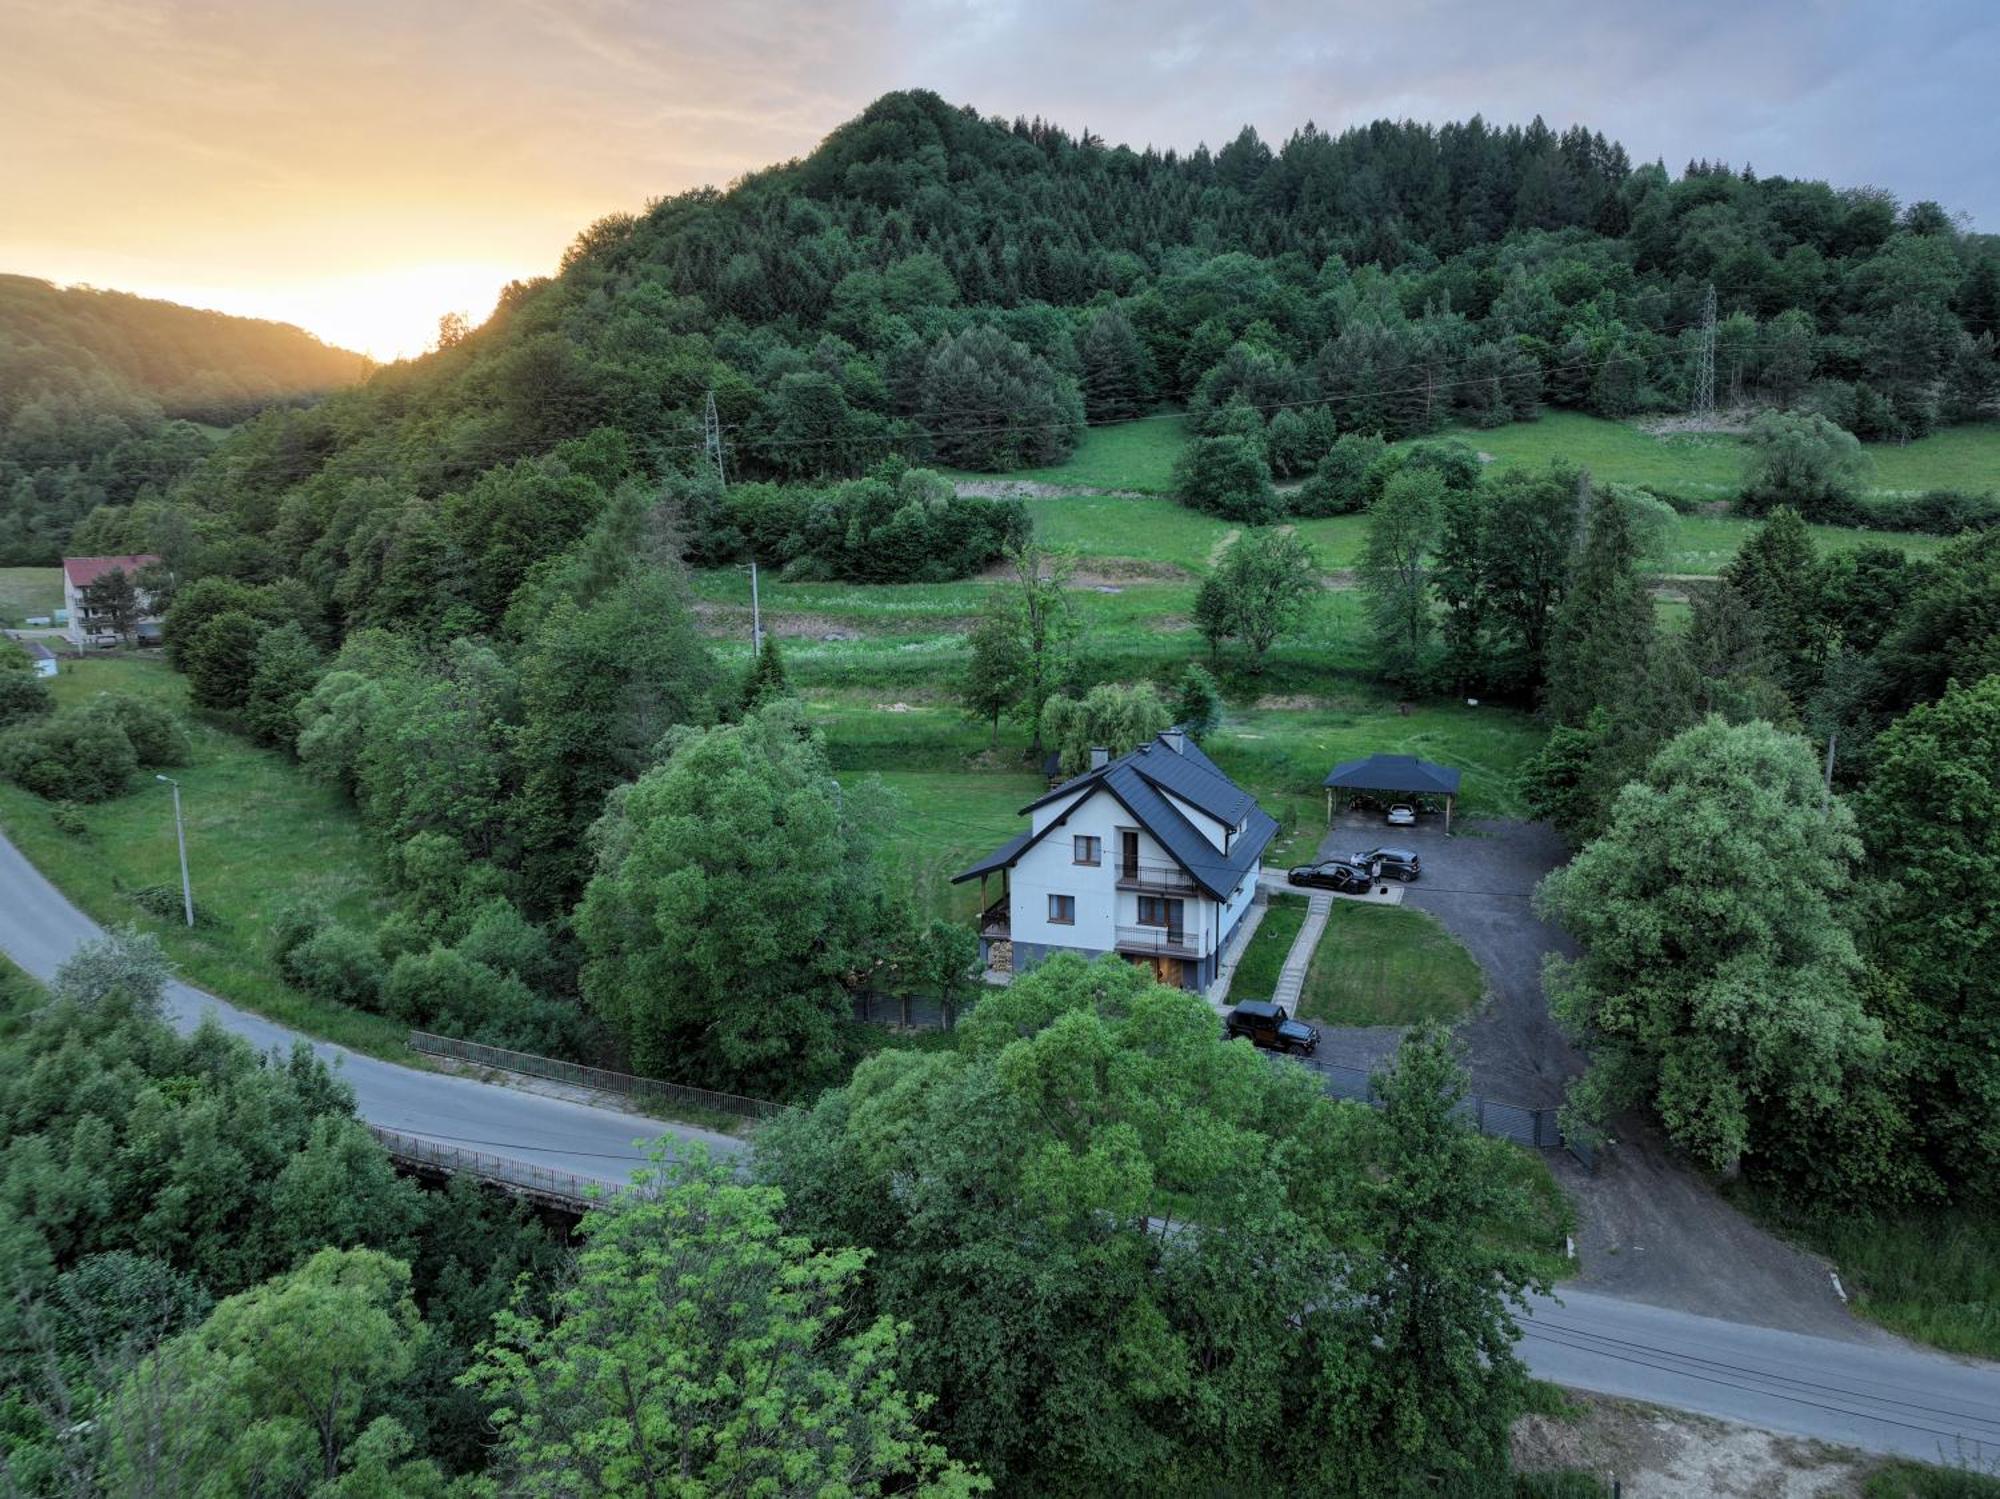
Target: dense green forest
(104, 395)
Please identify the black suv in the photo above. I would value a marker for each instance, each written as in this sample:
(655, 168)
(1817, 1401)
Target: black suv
(1266, 1024)
(1402, 863)
(1334, 874)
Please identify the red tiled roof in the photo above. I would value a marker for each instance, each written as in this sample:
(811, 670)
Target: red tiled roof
(84, 571)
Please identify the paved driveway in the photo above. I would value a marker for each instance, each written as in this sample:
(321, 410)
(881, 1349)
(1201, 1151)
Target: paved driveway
(1648, 1227)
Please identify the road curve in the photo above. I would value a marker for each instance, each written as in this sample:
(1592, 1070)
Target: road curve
(1888, 1399)
(39, 929)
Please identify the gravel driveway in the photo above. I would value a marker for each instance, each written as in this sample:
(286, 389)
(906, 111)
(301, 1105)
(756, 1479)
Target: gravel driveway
(1649, 1229)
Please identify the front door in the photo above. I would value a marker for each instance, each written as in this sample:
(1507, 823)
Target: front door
(1167, 971)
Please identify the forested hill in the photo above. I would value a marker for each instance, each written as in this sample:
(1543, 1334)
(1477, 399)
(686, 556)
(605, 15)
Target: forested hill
(99, 391)
(954, 290)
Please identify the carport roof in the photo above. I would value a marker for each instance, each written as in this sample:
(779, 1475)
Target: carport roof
(1394, 773)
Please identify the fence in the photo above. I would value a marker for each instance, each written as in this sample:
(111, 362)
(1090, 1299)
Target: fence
(1541, 1128)
(603, 1081)
(559, 1188)
(922, 1012)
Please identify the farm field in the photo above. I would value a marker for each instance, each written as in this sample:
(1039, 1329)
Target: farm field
(1388, 965)
(29, 591)
(260, 835)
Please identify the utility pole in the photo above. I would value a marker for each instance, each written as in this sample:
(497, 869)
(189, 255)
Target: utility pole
(1704, 360)
(711, 437)
(180, 837)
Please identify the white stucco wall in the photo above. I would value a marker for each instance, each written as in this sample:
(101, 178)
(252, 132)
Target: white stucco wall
(1101, 907)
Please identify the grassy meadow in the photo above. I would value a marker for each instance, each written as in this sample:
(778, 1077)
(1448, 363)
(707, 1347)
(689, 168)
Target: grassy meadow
(27, 592)
(259, 833)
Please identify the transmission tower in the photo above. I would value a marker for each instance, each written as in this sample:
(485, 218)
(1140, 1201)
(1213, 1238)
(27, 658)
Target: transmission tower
(1704, 360)
(711, 437)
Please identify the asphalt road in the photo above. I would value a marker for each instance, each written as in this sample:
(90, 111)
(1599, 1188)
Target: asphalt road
(1879, 1396)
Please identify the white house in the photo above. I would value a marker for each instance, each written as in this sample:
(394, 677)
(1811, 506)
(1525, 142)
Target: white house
(1153, 856)
(85, 628)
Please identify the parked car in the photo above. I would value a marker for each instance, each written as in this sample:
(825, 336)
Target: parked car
(1266, 1024)
(1401, 816)
(1333, 874)
(1397, 863)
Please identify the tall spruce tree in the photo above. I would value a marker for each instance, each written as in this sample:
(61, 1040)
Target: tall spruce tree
(1604, 629)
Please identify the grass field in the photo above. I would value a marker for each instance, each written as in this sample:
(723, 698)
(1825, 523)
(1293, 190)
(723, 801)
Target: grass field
(1388, 965)
(1931, 1276)
(260, 834)
(1129, 455)
(1264, 957)
(29, 591)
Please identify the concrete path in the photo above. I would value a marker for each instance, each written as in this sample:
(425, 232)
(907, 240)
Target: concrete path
(1292, 977)
(1225, 975)
(1880, 1396)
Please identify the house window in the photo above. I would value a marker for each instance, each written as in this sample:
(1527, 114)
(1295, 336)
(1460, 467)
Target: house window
(1157, 910)
(1086, 850)
(1062, 910)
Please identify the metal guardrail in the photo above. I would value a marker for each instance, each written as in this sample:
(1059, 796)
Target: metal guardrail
(1157, 939)
(558, 1188)
(604, 1081)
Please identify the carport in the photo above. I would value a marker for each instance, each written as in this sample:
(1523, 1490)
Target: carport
(1397, 775)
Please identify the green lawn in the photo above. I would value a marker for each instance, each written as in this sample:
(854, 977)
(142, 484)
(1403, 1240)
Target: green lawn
(1264, 958)
(29, 591)
(1388, 965)
(940, 822)
(1129, 455)
(260, 834)
(1711, 465)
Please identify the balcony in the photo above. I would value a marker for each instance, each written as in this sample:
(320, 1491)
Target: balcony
(1155, 879)
(1158, 941)
(995, 923)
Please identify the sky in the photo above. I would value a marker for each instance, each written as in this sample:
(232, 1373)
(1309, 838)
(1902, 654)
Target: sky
(361, 168)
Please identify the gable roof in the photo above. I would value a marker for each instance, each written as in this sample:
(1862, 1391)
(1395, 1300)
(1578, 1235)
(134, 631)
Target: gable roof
(1394, 773)
(84, 571)
(1144, 783)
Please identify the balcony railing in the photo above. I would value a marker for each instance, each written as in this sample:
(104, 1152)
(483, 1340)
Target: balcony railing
(1164, 941)
(1169, 879)
(995, 923)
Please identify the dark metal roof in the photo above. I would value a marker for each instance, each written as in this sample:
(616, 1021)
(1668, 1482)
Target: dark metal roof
(1000, 858)
(1143, 781)
(1394, 773)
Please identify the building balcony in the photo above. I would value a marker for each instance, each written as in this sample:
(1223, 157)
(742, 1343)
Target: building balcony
(1156, 879)
(995, 923)
(1158, 941)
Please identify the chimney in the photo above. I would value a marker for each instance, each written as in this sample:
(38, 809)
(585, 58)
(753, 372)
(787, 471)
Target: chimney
(1099, 757)
(1175, 739)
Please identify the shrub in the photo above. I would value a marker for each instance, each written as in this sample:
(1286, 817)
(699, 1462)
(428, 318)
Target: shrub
(220, 660)
(127, 965)
(1347, 480)
(296, 924)
(1941, 512)
(75, 756)
(445, 991)
(24, 696)
(1226, 476)
(157, 736)
(68, 820)
(338, 964)
(502, 939)
(1804, 461)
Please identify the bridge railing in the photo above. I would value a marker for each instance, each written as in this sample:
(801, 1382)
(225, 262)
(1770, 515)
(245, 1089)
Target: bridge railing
(599, 1078)
(561, 1188)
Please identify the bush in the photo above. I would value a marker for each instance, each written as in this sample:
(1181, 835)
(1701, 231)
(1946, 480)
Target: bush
(1941, 512)
(76, 756)
(24, 696)
(1346, 481)
(1226, 476)
(338, 964)
(444, 991)
(67, 818)
(221, 659)
(1804, 461)
(128, 965)
(157, 736)
(293, 927)
(502, 939)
